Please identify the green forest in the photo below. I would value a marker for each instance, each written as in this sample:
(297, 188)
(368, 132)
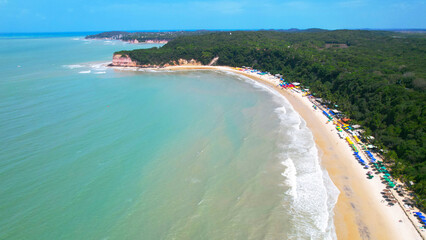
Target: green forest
(377, 78)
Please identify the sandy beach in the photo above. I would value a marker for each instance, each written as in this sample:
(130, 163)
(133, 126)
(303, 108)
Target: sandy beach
(360, 212)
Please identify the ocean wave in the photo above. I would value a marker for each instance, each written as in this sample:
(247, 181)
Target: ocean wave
(311, 192)
(95, 68)
(290, 173)
(73, 66)
(100, 66)
(109, 43)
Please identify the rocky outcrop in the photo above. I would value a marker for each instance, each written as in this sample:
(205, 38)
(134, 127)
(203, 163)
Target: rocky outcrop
(123, 61)
(119, 60)
(182, 62)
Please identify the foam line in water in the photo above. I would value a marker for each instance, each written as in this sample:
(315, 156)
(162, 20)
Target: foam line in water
(290, 173)
(73, 66)
(311, 191)
(100, 66)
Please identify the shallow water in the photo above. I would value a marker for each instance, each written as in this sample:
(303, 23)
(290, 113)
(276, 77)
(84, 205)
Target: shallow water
(95, 153)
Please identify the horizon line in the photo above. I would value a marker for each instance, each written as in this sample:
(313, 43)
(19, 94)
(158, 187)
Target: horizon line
(260, 29)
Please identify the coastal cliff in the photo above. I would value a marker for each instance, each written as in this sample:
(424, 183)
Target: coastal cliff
(122, 60)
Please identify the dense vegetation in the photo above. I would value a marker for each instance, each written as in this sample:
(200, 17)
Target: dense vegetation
(145, 36)
(376, 78)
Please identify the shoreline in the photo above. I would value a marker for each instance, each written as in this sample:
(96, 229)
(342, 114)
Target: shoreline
(359, 212)
(130, 42)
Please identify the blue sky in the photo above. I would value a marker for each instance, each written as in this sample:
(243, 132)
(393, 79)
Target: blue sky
(102, 15)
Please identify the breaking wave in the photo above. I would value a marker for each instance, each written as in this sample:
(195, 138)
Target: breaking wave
(312, 194)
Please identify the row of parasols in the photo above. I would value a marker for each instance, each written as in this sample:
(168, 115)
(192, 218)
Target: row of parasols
(370, 155)
(422, 218)
(327, 115)
(381, 168)
(389, 181)
(286, 85)
(358, 157)
(389, 196)
(352, 145)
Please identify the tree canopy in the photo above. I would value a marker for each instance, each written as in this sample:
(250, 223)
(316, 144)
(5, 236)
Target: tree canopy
(376, 77)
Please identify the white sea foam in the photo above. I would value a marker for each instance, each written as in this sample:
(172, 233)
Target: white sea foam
(109, 43)
(312, 192)
(151, 70)
(100, 66)
(73, 66)
(290, 174)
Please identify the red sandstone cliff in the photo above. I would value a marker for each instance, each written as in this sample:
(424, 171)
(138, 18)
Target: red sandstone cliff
(123, 61)
(119, 60)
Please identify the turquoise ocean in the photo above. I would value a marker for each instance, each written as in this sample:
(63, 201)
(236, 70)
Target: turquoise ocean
(89, 152)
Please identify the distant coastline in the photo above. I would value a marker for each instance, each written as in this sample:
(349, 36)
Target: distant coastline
(135, 41)
(143, 37)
